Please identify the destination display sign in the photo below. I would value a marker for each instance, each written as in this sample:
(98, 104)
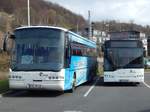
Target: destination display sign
(124, 35)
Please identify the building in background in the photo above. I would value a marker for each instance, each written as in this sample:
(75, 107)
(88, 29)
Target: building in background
(100, 36)
(145, 43)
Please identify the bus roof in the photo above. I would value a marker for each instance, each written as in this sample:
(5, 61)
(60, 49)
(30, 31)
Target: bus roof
(52, 27)
(83, 40)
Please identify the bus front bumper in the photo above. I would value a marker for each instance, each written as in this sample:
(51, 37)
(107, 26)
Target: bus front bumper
(109, 79)
(44, 85)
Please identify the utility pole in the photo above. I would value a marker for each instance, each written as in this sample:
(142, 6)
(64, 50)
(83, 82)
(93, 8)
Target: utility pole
(89, 25)
(28, 4)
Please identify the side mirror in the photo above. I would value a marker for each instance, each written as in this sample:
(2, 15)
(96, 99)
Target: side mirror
(6, 41)
(12, 36)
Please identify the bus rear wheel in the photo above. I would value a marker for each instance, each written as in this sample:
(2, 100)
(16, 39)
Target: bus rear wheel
(136, 83)
(73, 84)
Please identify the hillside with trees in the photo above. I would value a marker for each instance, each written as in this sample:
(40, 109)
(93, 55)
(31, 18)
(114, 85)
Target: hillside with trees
(13, 13)
(113, 25)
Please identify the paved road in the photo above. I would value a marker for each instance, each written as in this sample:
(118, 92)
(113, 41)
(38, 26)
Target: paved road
(86, 98)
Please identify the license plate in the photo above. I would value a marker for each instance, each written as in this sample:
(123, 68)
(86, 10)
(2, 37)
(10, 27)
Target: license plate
(34, 86)
(123, 80)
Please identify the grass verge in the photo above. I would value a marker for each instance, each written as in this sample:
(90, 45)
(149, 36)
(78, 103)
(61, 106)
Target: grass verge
(4, 62)
(4, 86)
(146, 70)
(100, 71)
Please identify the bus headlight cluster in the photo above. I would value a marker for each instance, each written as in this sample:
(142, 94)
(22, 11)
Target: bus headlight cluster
(56, 78)
(139, 76)
(109, 76)
(15, 77)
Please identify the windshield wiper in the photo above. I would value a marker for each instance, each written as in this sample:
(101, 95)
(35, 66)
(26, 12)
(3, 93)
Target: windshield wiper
(131, 62)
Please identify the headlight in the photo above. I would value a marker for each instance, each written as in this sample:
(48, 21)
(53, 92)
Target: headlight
(56, 77)
(15, 77)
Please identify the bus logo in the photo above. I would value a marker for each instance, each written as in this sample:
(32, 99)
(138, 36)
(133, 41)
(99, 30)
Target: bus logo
(132, 71)
(40, 74)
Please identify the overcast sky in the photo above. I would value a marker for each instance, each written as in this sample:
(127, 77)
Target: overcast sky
(122, 10)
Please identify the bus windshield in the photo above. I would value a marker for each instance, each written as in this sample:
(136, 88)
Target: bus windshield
(38, 49)
(125, 57)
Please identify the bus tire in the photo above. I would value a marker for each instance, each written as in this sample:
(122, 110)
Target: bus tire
(73, 84)
(136, 83)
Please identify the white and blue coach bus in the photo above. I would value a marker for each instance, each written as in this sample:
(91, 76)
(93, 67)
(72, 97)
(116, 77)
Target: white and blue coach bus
(50, 58)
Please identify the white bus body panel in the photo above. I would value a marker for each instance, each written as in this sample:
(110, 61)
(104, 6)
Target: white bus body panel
(124, 75)
(37, 80)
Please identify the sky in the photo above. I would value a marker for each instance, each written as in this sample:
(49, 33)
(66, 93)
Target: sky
(137, 11)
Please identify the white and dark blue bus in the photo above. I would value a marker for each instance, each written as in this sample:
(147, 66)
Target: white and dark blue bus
(50, 58)
(123, 61)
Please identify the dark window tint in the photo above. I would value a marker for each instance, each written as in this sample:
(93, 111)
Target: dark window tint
(78, 49)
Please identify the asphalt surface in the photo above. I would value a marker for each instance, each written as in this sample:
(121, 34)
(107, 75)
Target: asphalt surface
(86, 98)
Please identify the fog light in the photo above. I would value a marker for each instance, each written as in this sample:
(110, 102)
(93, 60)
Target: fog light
(19, 77)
